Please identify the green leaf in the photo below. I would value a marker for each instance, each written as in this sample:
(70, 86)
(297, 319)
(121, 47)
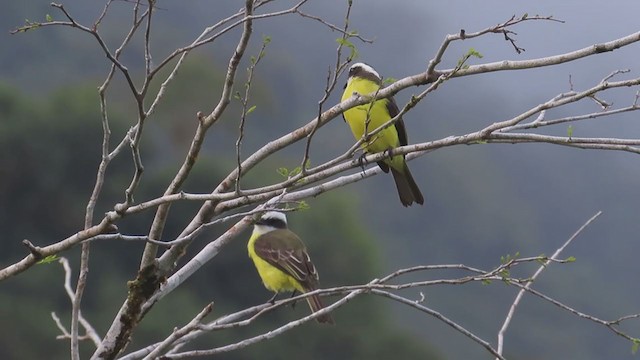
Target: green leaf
(474, 53)
(353, 51)
(634, 347)
(49, 259)
(505, 259)
(486, 282)
(295, 171)
(570, 259)
(283, 171)
(237, 96)
(389, 80)
(251, 109)
(471, 53)
(570, 131)
(49, 18)
(303, 205)
(266, 39)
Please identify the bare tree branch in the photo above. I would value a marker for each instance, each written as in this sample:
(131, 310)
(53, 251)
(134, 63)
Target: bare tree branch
(204, 124)
(178, 333)
(501, 28)
(544, 265)
(610, 324)
(333, 27)
(269, 335)
(507, 65)
(119, 333)
(245, 107)
(55, 248)
(91, 333)
(416, 305)
(248, 316)
(77, 299)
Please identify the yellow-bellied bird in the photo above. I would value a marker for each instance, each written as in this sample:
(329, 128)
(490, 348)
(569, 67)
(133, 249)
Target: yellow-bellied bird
(282, 260)
(364, 80)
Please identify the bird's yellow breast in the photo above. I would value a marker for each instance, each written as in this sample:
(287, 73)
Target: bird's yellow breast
(356, 117)
(273, 278)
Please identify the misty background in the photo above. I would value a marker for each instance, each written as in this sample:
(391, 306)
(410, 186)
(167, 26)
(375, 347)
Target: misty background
(482, 201)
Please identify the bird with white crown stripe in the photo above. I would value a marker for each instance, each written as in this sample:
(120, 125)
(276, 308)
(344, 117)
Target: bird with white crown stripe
(364, 119)
(282, 260)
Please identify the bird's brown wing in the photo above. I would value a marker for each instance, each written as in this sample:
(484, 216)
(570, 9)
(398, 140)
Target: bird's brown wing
(284, 250)
(392, 107)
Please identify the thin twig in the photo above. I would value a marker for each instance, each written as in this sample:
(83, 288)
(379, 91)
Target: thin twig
(501, 28)
(119, 333)
(344, 31)
(245, 108)
(248, 316)
(459, 328)
(540, 123)
(204, 124)
(544, 265)
(610, 324)
(332, 79)
(102, 15)
(147, 37)
(204, 39)
(77, 299)
(179, 333)
(90, 332)
(377, 286)
(268, 335)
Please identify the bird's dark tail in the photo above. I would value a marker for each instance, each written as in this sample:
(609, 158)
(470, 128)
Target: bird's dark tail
(407, 188)
(315, 304)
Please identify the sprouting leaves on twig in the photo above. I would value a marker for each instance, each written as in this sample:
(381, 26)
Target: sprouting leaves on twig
(48, 259)
(507, 258)
(283, 171)
(463, 60)
(303, 205)
(286, 173)
(389, 81)
(353, 51)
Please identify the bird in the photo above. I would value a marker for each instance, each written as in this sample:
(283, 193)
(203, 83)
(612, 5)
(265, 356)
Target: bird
(365, 80)
(282, 260)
